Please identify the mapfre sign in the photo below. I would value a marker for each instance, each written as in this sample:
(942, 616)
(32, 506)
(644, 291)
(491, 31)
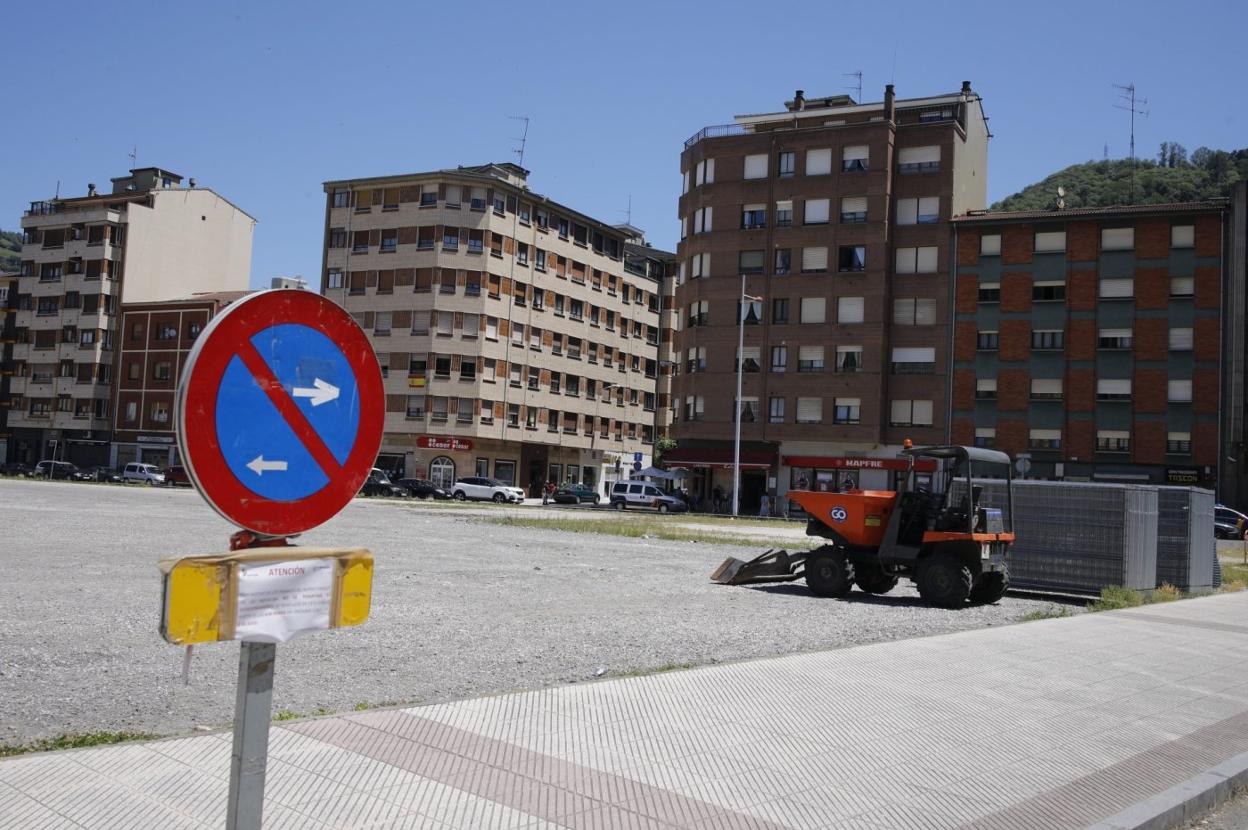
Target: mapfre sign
(435, 442)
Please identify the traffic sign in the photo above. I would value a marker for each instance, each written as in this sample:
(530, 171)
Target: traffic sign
(637, 457)
(280, 411)
(636, 466)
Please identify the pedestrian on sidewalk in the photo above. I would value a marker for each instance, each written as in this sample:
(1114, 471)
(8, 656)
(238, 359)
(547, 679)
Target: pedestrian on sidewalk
(548, 492)
(764, 507)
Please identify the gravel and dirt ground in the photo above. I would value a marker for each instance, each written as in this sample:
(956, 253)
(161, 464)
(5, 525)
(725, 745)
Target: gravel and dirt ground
(461, 608)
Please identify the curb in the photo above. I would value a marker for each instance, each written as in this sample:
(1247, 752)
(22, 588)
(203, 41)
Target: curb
(1185, 801)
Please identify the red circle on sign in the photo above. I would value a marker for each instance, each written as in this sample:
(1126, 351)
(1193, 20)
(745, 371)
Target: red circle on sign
(196, 407)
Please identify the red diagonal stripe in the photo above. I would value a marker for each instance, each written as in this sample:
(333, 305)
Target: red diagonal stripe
(289, 410)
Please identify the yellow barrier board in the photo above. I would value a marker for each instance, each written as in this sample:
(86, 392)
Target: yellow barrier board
(264, 594)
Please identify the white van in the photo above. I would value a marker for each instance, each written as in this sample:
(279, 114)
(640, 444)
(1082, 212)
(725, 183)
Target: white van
(145, 473)
(643, 494)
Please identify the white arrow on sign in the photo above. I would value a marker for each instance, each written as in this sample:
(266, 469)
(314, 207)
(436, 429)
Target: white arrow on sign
(319, 392)
(258, 465)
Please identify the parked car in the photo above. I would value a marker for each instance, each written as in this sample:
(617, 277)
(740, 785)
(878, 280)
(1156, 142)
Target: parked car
(575, 494)
(103, 474)
(422, 488)
(17, 468)
(486, 489)
(176, 475)
(626, 494)
(1228, 523)
(379, 484)
(143, 473)
(58, 469)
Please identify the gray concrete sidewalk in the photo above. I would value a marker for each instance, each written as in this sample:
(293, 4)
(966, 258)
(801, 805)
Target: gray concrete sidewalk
(1051, 724)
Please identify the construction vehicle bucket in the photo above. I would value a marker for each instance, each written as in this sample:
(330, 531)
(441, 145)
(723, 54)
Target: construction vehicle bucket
(772, 566)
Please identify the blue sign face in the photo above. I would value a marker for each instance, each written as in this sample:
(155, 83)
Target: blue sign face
(636, 466)
(287, 413)
(637, 457)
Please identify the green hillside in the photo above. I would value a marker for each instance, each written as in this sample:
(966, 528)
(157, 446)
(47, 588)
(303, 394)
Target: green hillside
(1172, 178)
(10, 244)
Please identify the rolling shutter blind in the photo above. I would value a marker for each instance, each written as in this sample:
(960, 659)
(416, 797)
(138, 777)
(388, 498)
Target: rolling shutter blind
(819, 162)
(815, 259)
(1045, 434)
(925, 260)
(922, 413)
(907, 211)
(1113, 386)
(816, 211)
(855, 152)
(1117, 239)
(924, 311)
(813, 309)
(918, 155)
(907, 260)
(923, 354)
(990, 244)
(810, 410)
(810, 353)
(849, 310)
(1180, 340)
(1046, 386)
(986, 385)
(1117, 288)
(756, 166)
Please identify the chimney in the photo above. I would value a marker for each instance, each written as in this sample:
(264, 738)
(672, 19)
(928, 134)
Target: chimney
(191, 181)
(799, 100)
(90, 188)
(888, 102)
(966, 88)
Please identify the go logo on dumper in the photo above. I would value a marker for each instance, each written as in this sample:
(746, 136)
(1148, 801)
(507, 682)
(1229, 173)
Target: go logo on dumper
(838, 514)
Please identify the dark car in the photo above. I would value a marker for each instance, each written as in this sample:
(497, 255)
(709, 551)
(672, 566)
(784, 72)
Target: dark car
(176, 475)
(575, 494)
(1228, 523)
(422, 488)
(103, 474)
(58, 469)
(379, 484)
(17, 468)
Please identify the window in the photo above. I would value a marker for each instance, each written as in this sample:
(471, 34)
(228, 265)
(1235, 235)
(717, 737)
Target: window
(389, 241)
(1179, 443)
(694, 408)
(914, 360)
(334, 278)
(446, 321)
(784, 214)
(810, 359)
(1117, 239)
(1183, 236)
(160, 412)
(849, 358)
(441, 366)
(784, 261)
(1046, 389)
(813, 310)
(161, 370)
(450, 239)
(750, 312)
(985, 389)
(850, 310)
(1043, 292)
(853, 209)
(755, 166)
(513, 372)
(916, 260)
(910, 414)
(914, 311)
(697, 360)
(920, 211)
(1182, 286)
(1048, 242)
(701, 220)
(442, 472)
(420, 322)
(918, 159)
(489, 370)
(749, 358)
(855, 158)
(50, 271)
(810, 410)
(985, 437)
(1045, 439)
(779, 359)
(786, 163)
(47, 306)
(816, 212)
(750, 262)
(701, 266)
(417, 368)
(1179, 391)
(522, 253)
(780, 310)
(704, 172)
(556, 383)
(513, 414)
(814, 260)
(990, 245)
(775, 410)
(989, 292)
(132, 411)
(819, 161)
(1114, 339)
(341, 198)
(1117, 289)
(467, 369)
(698, 313)
(1180, 340)
(1113, 389)
(851, 258)
(987, 341)
(754, 216)
(1113, 441)
(847, 410)
(1048, 340)
(337, 237)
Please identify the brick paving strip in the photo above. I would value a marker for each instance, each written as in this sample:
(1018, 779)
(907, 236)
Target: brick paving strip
(1051, 724)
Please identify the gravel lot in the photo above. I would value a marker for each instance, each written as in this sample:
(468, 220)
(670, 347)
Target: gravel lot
(461, 608)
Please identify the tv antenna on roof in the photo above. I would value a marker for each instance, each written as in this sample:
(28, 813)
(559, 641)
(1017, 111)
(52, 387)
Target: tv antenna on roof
(134, 157)
(628, 213)
(858, 86)
(523, 139)
(1134, 106)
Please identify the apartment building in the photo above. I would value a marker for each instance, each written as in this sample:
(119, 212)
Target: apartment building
(8, 338)
(825, 227)
(1101, 344)
(516, 339)
(151, 238)
(154, 341)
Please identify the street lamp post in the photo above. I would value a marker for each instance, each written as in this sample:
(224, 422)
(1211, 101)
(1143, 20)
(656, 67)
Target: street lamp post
(736, 446)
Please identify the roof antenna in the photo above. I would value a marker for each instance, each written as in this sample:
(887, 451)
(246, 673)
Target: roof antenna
(1134, 106)
(134, 157)
(858, 86)
(628, 214)
(523, 139)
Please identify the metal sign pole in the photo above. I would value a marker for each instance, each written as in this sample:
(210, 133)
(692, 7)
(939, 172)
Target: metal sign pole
(252, 712)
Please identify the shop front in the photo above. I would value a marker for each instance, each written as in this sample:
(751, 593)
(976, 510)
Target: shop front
(710, 479)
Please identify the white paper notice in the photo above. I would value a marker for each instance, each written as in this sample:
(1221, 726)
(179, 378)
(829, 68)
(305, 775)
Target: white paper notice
(277, 601)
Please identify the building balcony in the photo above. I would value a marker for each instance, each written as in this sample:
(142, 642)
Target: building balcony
(716, 131)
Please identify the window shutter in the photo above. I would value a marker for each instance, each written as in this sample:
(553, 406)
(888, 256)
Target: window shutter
(810, 353)
(907, 260)
(1117, 288)
(925, 260)
(918, 155)
(929, 206)
(1106, 333)
(756, 166)
(809, 410)
(1182, 236)
(1045, 434)
(819, 161)
(815, 259)
(922, 413)
(985, 432)
(813, 309)
(925, 312)
(907, 211)
(990, 244)
(1048, 241)
(986, 385)
(903, 311)
(854, 152)
(850, 310)
(1117, 239)
(914, 354)
(1046, 386)
(1180, 340)
(899, 412)
(854, 204)
(751, 261)
(816, 211)
(1182, 286)
(1180, 391)
(1113, 386)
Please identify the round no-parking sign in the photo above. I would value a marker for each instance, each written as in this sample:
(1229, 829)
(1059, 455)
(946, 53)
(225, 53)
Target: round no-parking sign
(280, 411)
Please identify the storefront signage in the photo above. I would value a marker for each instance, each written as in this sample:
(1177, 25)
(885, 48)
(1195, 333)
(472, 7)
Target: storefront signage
(437, 442)
(155, 439)
(1182, 475)
(849, 463)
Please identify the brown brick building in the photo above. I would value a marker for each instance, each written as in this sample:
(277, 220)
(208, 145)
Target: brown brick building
(1091, 341)
(837, 216)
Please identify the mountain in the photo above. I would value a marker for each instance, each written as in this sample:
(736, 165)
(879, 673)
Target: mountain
(10, 244)
(1173, 177)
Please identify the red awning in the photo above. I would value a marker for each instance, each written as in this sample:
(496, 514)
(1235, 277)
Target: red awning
(716, 457)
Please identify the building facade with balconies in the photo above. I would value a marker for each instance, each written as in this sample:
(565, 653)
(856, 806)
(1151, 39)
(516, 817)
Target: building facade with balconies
(149, 239)
(516, 338)
(826, 227)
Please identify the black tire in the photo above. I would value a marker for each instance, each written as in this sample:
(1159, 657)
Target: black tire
(874, 579)
(990, 587)
(499, 498)
(829, 573)
(662, 508)
(618, 505)
(596, 500)
(460, 495)
(944, 581)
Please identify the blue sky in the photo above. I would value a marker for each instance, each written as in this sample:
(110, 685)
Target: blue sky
(263, 101)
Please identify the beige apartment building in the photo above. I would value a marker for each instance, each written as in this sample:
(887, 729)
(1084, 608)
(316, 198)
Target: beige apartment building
(149, 239)
(835, 215)
(519, 338)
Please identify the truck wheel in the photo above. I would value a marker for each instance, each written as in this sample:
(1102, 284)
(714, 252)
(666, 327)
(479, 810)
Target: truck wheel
(829, 573)
(990, 587)
(944, 581)
(874, 580)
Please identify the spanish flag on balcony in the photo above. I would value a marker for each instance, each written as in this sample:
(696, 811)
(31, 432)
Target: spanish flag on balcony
(416, 381)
